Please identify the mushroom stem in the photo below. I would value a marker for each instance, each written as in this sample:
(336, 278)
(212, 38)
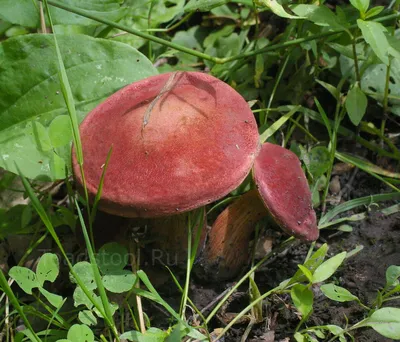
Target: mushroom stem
(227, 249)
(169, 238)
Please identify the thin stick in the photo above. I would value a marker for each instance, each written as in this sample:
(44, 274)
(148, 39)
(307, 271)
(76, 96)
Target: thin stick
(167, 87)
(42, 20)
(135, 266)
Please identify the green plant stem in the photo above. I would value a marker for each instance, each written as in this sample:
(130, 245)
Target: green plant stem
(363, 306)
(188, 269)
(310, 251)
(385, 101)
(245, 310)
(391, 298)
(192, 52)
(302, 128)
(195, 218)
(345, 331)
(278, 80)
(375, 131)
(353, 45)
(340, 112)
(150, 52)
(97, 276)
(61, 322)
(174, 26)
(389, 293)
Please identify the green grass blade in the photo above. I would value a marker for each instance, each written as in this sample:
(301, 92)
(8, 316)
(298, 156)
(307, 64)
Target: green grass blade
(100, 187)
(361, 164)
(277, 124)
(324, 118)
(361, 216)
(343, 131)
(14, 301)
(368, 166)
(155, 296)
(192, 252)
(49, 226)
(96, 272)
(281, 247)
(367, 200)
(67, 93)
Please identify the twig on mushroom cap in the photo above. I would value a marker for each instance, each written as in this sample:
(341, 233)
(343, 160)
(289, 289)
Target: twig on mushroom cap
(167, 87)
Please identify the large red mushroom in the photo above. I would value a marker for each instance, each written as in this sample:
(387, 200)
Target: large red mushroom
(181, 141)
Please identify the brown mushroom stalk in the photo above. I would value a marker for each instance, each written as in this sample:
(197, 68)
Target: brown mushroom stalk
(228, 249)
(169, 238)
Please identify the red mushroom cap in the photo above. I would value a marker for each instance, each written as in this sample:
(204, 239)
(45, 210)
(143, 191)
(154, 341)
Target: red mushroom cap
(285, 192)
(196, 144)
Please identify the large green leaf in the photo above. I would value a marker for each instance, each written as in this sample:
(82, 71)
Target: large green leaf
(80, 333)
(386, 321)
(22, 12)
(356, 104)
(328, 267)
(106, 9)
(203, 5)
(361, 5)
(374, 35)
(30, 94)
(277, 8)
(26, 12)
(25, 278)
(320, 15)
(373, 83)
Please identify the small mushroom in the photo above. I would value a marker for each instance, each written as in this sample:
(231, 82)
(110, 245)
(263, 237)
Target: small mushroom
(284, 190)
(283, 193)
(180, 141)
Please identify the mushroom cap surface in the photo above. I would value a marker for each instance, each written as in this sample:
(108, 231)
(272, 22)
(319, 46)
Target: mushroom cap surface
(179, 141)
(284, 190)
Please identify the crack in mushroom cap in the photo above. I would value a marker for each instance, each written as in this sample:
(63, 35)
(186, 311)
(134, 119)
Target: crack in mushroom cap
(284, 190)
(196, 144)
